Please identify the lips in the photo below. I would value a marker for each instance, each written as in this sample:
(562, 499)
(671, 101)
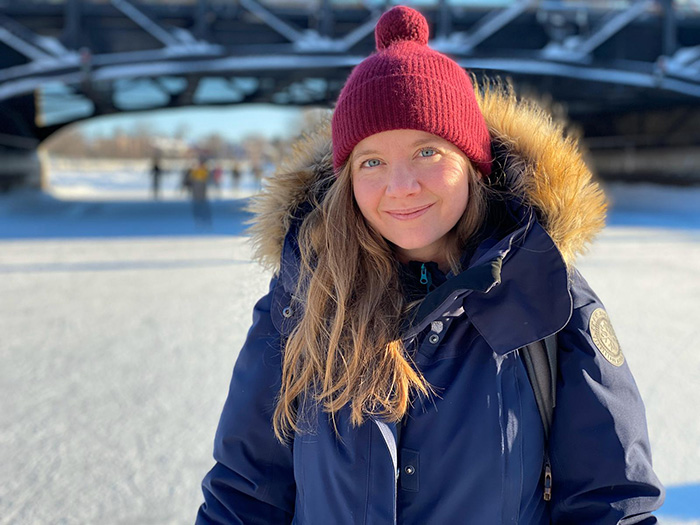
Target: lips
(408, 213)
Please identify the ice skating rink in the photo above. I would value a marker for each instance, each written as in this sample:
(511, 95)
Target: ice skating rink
(120, 322)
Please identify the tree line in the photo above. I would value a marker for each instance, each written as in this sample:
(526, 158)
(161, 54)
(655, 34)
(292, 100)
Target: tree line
(142, 140)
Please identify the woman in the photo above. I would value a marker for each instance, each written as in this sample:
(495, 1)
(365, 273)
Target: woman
(415, 257)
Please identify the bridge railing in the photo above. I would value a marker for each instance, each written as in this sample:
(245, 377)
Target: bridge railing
(90, 56)
(372, 4)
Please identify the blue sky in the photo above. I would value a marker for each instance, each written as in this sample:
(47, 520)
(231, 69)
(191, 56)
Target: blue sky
(233, 122)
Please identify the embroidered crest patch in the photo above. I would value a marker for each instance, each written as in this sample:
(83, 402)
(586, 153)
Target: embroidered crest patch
(604, 337)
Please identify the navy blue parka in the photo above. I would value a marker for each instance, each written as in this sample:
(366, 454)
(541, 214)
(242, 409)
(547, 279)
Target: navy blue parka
(474, 452)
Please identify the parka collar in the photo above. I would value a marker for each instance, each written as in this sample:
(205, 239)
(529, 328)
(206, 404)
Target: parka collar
(517, 292)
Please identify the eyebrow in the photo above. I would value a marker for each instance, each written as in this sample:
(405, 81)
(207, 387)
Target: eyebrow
(373, 151)
(364, 152)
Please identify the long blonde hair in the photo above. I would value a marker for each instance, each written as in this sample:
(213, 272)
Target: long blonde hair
(347, 347)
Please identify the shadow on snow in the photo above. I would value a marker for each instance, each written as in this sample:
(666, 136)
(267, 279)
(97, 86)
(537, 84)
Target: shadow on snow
(34, 215)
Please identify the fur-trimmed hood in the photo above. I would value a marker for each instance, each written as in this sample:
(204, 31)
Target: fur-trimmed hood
(532, 148)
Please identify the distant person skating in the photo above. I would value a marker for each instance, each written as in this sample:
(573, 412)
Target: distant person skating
(186, 181)
(235, 175)
(199, 178)
(216, 176)
(155, 178)
(257, 174)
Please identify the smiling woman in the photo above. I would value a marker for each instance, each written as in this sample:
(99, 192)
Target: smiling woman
(412, 187)
(416, 255)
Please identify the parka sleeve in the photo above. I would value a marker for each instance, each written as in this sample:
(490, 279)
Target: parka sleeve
(252, 481)
(599, 447)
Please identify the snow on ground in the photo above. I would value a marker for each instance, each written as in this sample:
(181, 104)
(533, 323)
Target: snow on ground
(121, 321)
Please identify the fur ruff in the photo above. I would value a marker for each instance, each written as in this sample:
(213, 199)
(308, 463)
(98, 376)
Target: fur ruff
(547, 162)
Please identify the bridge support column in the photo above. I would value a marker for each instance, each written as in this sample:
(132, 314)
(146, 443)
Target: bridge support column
(20, 168)
(669, 165)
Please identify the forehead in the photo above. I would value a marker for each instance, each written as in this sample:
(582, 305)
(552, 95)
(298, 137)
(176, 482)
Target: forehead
(397, 139)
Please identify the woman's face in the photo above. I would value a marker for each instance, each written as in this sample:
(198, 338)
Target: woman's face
(412, 187)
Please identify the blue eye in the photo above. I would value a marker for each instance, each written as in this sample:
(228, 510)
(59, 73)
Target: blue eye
(371, 163)
(428, 152)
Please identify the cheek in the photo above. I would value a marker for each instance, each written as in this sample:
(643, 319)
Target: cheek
(463, 197)
(459, 187)
(455, 188)
(462, 203)
(366, 198)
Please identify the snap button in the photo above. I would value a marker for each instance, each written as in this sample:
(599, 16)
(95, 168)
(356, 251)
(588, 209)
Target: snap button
(287, 312)
(410, 463)
(434, 338)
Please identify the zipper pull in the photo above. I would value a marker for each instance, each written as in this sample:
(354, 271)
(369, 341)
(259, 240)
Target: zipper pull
(547, 481)
(423, 274)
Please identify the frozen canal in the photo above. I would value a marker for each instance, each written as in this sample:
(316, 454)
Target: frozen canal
(120, 323)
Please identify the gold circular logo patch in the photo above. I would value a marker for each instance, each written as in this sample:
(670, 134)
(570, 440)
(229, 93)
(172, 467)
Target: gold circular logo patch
(604, 337)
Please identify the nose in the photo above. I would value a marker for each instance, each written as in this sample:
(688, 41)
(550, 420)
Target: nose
(402, 182)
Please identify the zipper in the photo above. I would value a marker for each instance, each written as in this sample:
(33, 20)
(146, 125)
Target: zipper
(547, 478)
(390, 442)
(425, 277)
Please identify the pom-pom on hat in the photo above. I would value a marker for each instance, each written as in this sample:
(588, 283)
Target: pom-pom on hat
(407, 85)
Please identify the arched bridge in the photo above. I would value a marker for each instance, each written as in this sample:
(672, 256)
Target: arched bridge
(627, 71)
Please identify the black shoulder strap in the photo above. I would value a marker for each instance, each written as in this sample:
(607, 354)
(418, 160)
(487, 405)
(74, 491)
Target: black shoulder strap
(540, 360)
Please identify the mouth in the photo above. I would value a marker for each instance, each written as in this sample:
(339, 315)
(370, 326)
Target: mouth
(408, 213)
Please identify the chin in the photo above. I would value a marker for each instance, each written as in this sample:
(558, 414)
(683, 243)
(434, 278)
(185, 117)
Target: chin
(415, 247)
(409, 245)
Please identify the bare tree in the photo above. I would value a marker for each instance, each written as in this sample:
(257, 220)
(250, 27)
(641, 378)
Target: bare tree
(69, 142)
(214, 144)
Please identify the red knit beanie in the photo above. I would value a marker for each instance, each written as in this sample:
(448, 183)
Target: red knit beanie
(407, 85)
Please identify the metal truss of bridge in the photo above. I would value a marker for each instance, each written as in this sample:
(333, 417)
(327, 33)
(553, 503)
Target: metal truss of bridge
(68, 60)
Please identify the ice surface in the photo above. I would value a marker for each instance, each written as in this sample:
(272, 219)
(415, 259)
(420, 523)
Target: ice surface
(120, 323)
